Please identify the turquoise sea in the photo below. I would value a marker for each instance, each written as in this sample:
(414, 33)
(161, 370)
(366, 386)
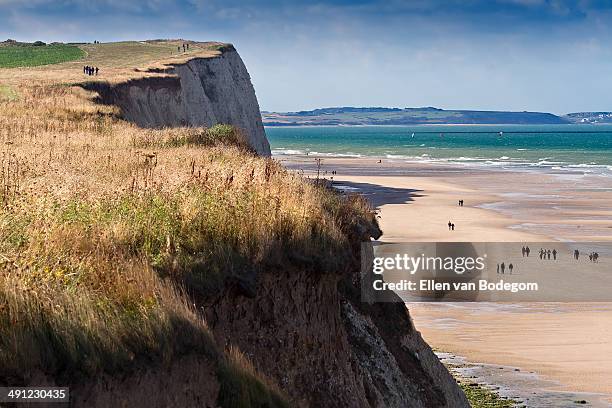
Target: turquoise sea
(584, 148)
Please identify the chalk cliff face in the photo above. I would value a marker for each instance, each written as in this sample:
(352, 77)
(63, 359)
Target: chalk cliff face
(200, 92)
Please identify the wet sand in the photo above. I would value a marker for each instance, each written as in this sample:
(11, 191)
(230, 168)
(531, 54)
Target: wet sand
(567, 344)
(570, 344)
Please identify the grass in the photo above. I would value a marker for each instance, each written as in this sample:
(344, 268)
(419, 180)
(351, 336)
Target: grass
(243, 387)
(32, 56)
(7, 93)
(109, 232)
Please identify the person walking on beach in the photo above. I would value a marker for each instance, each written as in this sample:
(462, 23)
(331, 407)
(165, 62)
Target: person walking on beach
(523, 251)
(449, 225)
(527, 251)
(498, 269)
(576, 254)
(453, 227)
(97, 69)
(541, 253)
(548, 253)
(510, 267)
(554, 252)
(503, 267)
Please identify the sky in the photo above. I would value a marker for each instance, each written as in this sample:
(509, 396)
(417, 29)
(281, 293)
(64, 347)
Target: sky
(536, 55)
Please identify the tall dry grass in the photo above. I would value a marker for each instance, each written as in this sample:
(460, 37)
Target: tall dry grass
(105, 228)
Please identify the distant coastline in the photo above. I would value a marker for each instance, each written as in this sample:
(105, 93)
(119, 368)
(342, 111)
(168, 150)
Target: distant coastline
(378, 116)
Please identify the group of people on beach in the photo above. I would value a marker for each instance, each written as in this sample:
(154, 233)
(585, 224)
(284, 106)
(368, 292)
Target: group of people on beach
(87, 70)
(460, 203)
(593, 256)
(546, 253)
(501, 268)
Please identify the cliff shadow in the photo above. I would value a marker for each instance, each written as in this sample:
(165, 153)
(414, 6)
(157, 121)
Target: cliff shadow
(151, 102)
(378, 195)
(115, 94)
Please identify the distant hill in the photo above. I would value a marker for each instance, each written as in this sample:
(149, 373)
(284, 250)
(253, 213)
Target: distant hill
(589, 117)
(405, 116)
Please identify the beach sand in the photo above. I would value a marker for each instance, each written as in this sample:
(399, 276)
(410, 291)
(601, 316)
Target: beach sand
(568, 343)
(433, 205)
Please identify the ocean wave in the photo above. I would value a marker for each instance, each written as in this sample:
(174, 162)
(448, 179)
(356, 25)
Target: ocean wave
(288, 152)
(546, 163)
(345, 188)
(334, 154)
(503, 162)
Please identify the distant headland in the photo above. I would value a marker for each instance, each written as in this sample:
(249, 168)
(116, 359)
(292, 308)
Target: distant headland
(356, 116)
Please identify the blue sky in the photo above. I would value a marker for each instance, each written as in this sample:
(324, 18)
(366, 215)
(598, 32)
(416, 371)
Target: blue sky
(539, 55)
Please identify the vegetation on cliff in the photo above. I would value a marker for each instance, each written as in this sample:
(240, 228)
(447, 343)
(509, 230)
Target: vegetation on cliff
(109, 232)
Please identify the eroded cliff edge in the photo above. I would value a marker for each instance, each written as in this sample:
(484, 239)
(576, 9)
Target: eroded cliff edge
(309, 331)
(301, 325)
(203, 91)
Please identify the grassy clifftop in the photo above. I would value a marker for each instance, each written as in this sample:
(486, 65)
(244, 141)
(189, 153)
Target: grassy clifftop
(109, 232)
(118, 61)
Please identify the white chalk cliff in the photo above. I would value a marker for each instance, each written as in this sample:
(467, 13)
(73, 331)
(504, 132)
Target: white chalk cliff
(200, 92)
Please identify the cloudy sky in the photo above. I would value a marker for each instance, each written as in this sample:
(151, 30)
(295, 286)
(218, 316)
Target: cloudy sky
(538, 55)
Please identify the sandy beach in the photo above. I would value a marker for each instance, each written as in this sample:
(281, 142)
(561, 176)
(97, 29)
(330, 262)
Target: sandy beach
(569, 344)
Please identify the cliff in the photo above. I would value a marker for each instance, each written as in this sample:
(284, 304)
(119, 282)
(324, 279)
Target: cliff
(156, 268)
(302, 326)
(309, 331)
(202, 91)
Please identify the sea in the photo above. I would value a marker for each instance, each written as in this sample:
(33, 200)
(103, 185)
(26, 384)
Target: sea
(580, 148)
